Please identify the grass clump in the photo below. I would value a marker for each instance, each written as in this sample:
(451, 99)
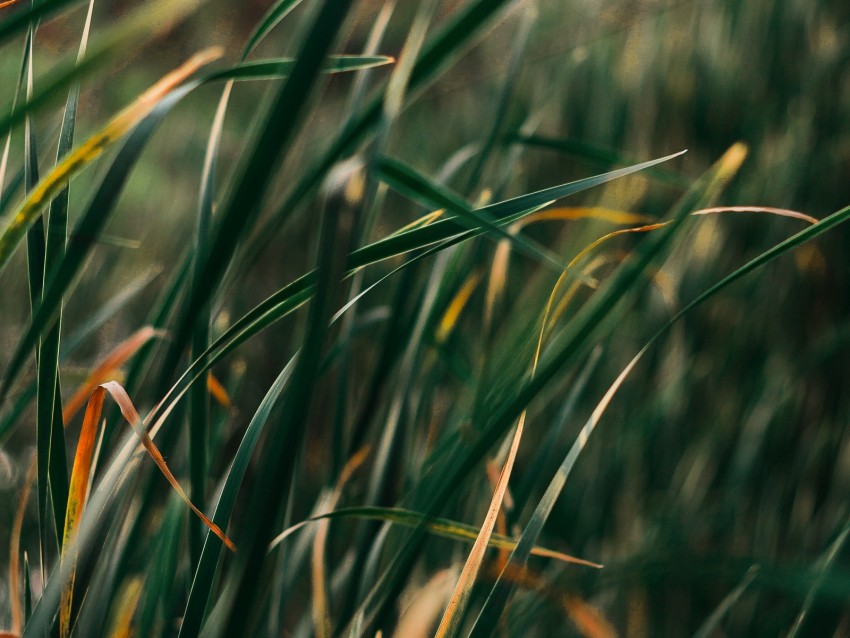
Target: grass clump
(425, 317)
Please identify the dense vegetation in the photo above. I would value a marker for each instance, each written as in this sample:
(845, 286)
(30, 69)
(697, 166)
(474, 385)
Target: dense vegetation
(338, 318)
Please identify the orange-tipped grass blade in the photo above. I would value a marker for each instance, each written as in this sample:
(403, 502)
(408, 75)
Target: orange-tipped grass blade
(106, 368)
(128, 410)
(93, 148)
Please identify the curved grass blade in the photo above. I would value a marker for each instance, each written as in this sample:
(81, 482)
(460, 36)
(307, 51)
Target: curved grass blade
(193, 616)
(571, 345)
(442, 527)
(107, 367)
(282, 67)
(273, 16)
(128, 410)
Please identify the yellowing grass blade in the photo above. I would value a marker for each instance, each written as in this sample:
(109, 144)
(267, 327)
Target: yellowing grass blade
(452, 314)
(437, 526)
(417, 619)
(450, 622)
(122, 626)
(106, 369)
(572, 214)
(93, 148)
(128, 410)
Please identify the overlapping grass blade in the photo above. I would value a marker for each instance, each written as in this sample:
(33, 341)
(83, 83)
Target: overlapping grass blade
(271, 146)
(437, 526)
(498, 598)
(571, 345)
(152, 107)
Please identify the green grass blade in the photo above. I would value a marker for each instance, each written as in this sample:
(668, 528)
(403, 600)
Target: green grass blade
(277, 12)
(202, 582)
(271, 146)
(22, 18)
(461, 32)
(282, 67)
(412, 184)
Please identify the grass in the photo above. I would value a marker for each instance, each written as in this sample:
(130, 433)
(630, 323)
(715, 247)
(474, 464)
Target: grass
(421, 320)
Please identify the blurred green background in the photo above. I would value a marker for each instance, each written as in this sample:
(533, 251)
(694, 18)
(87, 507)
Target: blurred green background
(728, 446)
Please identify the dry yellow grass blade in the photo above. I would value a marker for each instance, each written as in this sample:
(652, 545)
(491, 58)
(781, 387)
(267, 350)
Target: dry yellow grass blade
(14, 552)
(77, 493)
(450, 622)
(106, 369)
(321, 607)
(93, 148)
(452, 314)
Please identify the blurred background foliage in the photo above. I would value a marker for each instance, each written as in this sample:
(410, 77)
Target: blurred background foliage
(728, 445)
